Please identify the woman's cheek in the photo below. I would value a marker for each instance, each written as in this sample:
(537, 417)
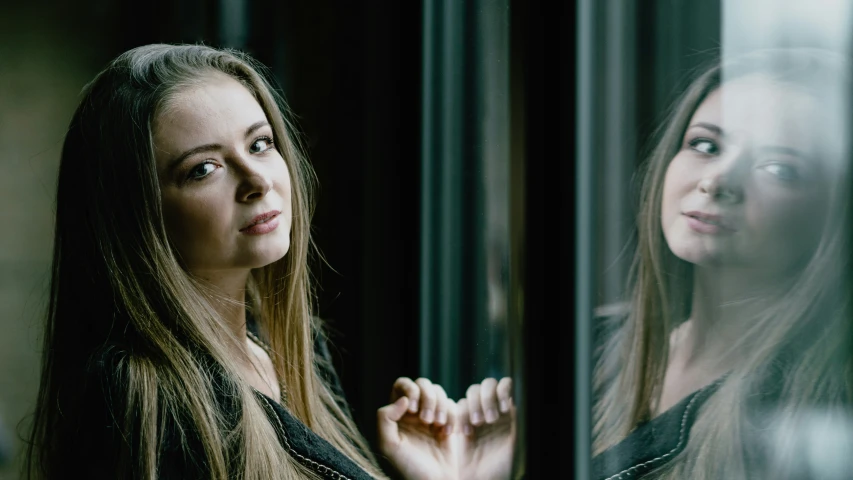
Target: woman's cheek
(670, 198)
(793, 227)
(188, 226)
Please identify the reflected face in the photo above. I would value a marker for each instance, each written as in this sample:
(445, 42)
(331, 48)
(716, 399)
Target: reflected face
(225, 187)
(748, 188)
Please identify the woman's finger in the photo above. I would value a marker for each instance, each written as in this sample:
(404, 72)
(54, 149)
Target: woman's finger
(405, 387)
(453, 418)
(475, 408)
(489, 400)
(428, 400)
(441, 405)
(505, 394)
(463, 419)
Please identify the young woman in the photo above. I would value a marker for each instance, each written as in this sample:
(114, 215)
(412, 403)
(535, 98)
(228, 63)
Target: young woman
(179, 339)
(739, 323)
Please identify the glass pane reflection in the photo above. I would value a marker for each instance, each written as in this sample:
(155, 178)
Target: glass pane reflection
(729, 354)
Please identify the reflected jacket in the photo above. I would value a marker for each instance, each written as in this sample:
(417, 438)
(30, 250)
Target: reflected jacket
(654, 443)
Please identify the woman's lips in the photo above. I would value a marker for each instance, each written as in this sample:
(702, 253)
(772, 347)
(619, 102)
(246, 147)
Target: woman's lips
(264, 223)
(707, 223)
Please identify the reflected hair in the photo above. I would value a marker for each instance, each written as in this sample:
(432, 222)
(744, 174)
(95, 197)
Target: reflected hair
(121, 304)
(803, 334)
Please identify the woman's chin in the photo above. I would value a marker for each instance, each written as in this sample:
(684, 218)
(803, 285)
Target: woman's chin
(699, 256)
(268, 258)
(261, 256)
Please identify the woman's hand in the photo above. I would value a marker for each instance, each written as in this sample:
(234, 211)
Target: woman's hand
(416, 431)
(487, 416)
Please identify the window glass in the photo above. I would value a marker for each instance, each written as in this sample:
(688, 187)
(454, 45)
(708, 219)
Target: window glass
(715, 135)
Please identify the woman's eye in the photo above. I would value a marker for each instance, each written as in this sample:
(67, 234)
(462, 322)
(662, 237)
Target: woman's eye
(201, 170)
(704, 146)
(261, 145)
(782, 171)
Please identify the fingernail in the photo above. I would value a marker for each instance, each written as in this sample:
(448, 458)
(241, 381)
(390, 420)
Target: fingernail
(491, 415)
(504, 406)
(467, 429)
(426, 416)
(413, 407)
(447, 429)
(476, 418)
(442, 418)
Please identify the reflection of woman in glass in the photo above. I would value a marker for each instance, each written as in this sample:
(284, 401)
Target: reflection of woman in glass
(739, 322)
(180, 341)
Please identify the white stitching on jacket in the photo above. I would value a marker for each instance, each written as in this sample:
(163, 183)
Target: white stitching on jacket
(628, 471)
(323, 469)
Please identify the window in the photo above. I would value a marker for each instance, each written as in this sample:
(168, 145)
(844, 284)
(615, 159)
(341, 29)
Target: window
(725, 192)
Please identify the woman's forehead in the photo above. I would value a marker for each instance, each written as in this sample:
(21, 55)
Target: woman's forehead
(215, 94)
(758, 109)
(205, 112)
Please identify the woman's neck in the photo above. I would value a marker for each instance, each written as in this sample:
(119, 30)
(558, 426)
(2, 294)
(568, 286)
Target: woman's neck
(723, 304)
(229, 299)
(709, 344)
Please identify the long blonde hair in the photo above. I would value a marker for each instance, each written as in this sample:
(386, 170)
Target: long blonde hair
(803, 335)
(118, 288)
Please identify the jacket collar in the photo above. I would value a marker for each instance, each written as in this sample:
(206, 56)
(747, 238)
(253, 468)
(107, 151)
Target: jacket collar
(309, 448)
(653, 443)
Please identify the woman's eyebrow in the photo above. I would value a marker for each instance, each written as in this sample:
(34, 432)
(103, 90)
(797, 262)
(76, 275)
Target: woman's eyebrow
(785, 151)
(256, 126)
(212, 147)
(708, 126)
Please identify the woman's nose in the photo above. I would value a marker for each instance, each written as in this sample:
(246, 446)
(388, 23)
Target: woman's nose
(723, 181)
(253, 186)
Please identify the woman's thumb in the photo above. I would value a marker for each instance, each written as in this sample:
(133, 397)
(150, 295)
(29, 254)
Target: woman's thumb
(387, 417)
(394, 411)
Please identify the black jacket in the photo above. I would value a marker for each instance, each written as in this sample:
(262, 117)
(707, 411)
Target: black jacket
(95, 453)
(652, 444)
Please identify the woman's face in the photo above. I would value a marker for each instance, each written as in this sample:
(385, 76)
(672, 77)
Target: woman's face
(748, 189)
(225, 187)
